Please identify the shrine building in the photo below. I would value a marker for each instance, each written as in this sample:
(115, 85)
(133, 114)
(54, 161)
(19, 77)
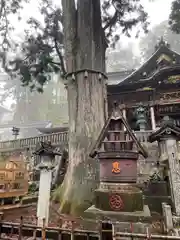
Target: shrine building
(150, 92)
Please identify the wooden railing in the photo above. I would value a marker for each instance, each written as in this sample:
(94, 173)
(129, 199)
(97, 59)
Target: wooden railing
(57, 139)
(21, 230)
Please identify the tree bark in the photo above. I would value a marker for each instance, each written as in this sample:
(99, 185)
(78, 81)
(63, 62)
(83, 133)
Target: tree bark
(87, 99)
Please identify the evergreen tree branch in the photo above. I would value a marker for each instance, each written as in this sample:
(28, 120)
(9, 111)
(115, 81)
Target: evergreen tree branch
(43, 46)
(174, 18)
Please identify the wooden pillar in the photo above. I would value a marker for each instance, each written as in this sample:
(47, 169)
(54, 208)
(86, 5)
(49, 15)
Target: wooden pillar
(2, 201)
(153, 121)
(124, 115)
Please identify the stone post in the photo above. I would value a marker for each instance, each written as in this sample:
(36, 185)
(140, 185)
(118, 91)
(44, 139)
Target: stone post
(168, 219)
(124, 115)
(174, 172)
(168, 136)
(153, 121)
(44, 194)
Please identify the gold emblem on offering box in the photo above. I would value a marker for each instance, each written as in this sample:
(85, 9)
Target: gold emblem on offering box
(116, 167)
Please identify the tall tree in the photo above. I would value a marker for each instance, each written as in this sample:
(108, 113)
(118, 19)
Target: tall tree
(30, 106)
(88, 27)
(121, 58)
(174, 18)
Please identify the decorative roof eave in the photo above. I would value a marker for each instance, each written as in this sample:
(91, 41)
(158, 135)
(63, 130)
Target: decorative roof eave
(114, 116)
(166, 129)
(156, 53)
(154, 75)
(160, 71)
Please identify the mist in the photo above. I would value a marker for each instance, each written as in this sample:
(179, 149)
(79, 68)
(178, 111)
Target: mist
(30, 110)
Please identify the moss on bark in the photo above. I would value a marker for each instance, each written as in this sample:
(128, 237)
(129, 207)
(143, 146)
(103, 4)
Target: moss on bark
(76, 193)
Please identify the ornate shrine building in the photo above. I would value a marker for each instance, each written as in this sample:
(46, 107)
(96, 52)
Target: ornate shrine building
(151, 92)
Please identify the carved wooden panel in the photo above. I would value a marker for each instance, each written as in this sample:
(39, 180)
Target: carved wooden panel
(168, 109)
(170, 96)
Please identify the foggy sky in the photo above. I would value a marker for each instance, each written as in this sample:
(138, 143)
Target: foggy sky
(158, 11)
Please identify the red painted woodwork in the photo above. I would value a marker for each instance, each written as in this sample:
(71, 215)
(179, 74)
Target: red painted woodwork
(127, 173)
(116, 202)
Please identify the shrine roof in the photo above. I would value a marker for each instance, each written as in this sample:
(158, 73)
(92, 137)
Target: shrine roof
(168, 128)
(165, 72)
(117, 115)
(50, 130)
(151, 67)
(117, 77)
(35, 124)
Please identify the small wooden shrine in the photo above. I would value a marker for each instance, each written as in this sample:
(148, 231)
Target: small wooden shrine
(117, 148)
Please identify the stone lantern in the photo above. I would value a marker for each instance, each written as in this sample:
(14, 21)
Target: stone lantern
(118, 149)
(15, 132)
(141, 117)
(47, 153)
(168, 137)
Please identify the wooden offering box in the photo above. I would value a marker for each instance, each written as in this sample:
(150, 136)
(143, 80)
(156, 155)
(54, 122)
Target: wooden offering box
(120, 167)
(117, 149)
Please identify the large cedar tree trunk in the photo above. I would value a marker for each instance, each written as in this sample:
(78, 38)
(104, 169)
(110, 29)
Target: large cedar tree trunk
(87, 100)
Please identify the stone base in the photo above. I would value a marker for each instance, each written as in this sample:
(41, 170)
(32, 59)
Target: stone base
(156, 189)
(139, 216)
(138, 227)
(155, 202)
(118, 197)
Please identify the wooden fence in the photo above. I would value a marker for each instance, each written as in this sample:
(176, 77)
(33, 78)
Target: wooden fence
(56, 139)
(22, 231)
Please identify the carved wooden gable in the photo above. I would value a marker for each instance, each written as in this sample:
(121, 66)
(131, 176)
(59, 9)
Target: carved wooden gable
(164, 60)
